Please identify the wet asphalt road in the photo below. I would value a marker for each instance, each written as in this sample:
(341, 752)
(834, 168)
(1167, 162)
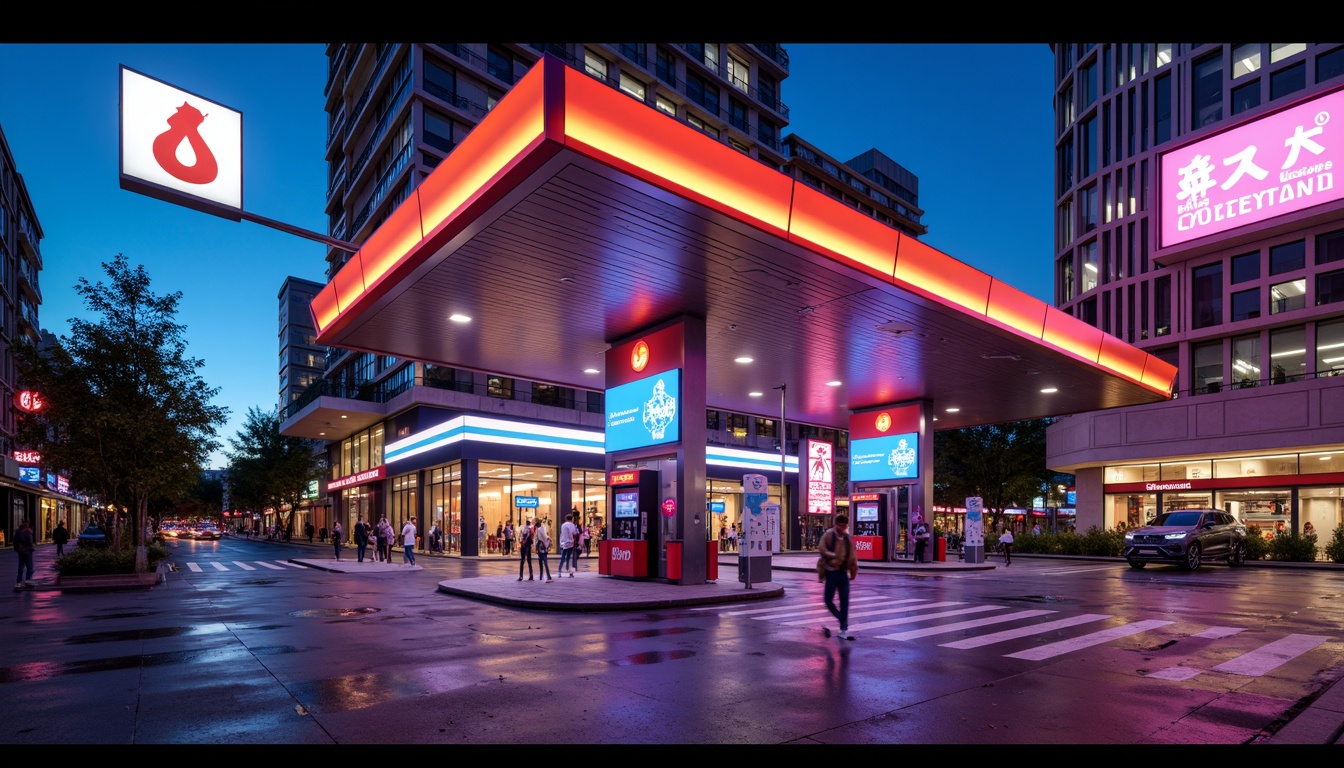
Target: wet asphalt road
(290, 655)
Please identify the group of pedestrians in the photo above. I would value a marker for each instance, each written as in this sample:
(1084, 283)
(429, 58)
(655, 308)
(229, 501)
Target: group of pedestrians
(381, 536)
(535, 536)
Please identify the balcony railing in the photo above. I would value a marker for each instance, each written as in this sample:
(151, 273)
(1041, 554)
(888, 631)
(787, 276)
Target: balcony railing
(394, 169)
(402, 92)
(775, 52)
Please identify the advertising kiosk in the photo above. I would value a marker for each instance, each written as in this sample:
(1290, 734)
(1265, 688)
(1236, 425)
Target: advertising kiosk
(630, 551)
(870, 522)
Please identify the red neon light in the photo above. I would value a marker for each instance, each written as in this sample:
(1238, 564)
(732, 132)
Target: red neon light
(639, 356)
(29, 401)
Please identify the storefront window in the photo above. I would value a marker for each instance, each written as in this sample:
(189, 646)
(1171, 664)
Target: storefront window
(1257, 466)
(1133, 473)
(1322, 511)
(1317, 463)
(405, 503)
(588, 493)
(1187, 470)
(515, 493)
(444, 492)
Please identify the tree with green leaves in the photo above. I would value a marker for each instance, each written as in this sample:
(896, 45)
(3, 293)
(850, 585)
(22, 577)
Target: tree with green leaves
(1003, 464)
(267, 468)
(127, 413)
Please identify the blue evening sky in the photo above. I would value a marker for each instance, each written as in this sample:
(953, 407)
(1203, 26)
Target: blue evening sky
(972, 121)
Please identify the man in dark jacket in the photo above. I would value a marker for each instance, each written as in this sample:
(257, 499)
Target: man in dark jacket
(24, 544)
(840, 565)
(361, 538)
(60, 535)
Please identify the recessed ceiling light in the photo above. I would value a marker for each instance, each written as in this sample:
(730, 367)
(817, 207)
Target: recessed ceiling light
(953, 410)
(321, 434)
(1325, 458)
(459, 318)
(343, 416)
(754, 394)
(832, 383)
(590, 370)
(1049, 390)
(742, 360)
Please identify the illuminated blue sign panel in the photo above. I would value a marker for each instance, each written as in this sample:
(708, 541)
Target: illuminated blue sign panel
(718, 507)
(891, 457)
(644, 412)
(30, 474)
(526, 502)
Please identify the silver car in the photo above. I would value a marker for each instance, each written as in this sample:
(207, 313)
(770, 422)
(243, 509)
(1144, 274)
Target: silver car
(1187, 537)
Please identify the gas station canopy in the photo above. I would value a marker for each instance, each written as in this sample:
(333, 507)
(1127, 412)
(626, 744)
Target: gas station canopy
(573, 217)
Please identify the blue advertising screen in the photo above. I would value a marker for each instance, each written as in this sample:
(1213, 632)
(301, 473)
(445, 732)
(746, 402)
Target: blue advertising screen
(30, 474)
(526, 502)
(644, 412)
(627, 504)
(889, 457)
(718, 507)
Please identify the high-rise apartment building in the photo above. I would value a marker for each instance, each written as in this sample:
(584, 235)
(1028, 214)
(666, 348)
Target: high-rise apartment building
(21, 476)
(302, 360)
(394, 112)
(1198, 216)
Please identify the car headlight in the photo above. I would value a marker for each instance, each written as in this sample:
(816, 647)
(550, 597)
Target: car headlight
(1171, 536)
(1129, 537)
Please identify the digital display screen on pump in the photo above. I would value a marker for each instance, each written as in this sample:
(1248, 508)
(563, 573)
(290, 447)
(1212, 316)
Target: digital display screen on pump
(627, 504)
(865, 513)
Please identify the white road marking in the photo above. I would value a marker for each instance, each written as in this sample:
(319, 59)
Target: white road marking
(942, 629)
(1013, 634)
(1176, 673)
(1051, 650)
(288, 564)
(219, 566)
(1216, 633)
(1268, 657)
(194, 567)
(924, 617)
(244, 566)
(265, 564)
(1067, 571)
(794, 606)
(815, 609)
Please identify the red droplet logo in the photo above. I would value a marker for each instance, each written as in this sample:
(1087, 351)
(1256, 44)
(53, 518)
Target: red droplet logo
(183, 125)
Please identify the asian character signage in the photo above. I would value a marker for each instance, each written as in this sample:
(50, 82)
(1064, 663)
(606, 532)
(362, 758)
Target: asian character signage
(818, 458)
(1279, 164)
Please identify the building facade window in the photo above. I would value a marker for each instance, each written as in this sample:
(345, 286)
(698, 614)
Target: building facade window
(1246, 304)
(1162, 108)
(665, 104)
(632, 86)
(499, 386)
(1288, 354)
(1246, 360)
(1207, 364)
(1162, 306)
(594, 65)
(1330, 65)
(1288, 257)
(1206, 295)
(1330, 247)
(1330, 287)
(1245, 97)
(739, 74)
(1288, 81)
(1287, 296)
(1246, 267)
(1207, 92)
(1330, 348)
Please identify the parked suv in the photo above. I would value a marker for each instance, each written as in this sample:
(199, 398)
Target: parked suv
(1187, 537)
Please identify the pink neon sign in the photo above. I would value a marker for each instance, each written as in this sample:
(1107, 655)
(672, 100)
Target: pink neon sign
(1273, 166)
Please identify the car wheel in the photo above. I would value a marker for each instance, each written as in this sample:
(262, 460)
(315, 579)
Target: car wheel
(1238, 554)
(1137, 564)
(1193, 557)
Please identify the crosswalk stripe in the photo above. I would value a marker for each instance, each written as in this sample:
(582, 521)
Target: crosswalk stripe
(814, 608)
(823, 612)
(1013, 634)
(942, 629)
(792, 607)
(865, 626)
(288, 564)
(194, 567)
(1176, 674)
(1087, 641)
(219, 566)
(1268, 657)
(1068, 571)
(244, 566)
(265, 564)
(1217, 633)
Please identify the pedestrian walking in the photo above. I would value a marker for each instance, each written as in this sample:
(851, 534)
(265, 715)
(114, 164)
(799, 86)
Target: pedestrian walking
(1006, 539)
(840, 565)
(336, 539)
(361, 539)
(585, 539)
(921, 540)
(732, 537)
(60, 535)
(525, 550)
(569, 533)
(24, 545)
(408, 541)
(543, 538)
(508, 538)
(385, 537)
(308, 529)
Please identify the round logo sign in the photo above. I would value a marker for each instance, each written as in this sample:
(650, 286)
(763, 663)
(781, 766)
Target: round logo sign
(883, 421)
(639, 356)
(669, 507)
(28, 400)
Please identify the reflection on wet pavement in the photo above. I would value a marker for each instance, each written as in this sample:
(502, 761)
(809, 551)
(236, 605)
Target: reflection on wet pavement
(650, 657)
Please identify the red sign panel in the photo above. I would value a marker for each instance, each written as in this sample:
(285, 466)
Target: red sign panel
(868, 547)
(28, 457)
(359, 478)
(629, 558)
(623, 477)
(29, 401)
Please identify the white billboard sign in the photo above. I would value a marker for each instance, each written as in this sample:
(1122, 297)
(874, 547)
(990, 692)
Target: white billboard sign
(180, 147)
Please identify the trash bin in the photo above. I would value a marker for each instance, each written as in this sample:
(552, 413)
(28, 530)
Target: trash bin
(940, 549)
